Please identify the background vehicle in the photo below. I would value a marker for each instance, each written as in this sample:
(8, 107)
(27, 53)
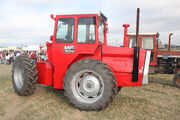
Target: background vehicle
(163, 60)
(80, 62)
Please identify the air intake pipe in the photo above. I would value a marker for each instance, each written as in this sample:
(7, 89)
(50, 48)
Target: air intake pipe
(125, 44)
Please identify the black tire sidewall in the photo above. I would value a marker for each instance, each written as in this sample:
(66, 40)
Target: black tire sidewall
(176, 76)
(28, 86)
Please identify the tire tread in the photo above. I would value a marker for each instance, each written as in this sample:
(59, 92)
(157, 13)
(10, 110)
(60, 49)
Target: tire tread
(30, 75)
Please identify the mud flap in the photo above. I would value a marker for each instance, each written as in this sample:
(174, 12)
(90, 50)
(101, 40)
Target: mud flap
(146, 68)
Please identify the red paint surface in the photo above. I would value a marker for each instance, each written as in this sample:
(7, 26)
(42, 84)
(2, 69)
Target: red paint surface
(45, 72)
(119, 59)
(121, 63)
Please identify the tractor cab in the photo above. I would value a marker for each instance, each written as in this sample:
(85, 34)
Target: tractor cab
(75, 37)
(146, 41)
(80, 28)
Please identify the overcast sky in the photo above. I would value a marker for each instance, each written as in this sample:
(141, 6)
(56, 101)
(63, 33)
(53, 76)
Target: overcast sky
(27, 22)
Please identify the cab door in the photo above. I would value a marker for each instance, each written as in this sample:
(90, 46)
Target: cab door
(75, 37)
(64, 38)
(63, 47)
(87, 37)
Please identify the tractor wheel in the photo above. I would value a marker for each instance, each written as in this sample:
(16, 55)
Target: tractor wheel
(24, 76)
(176, 79)
(90, 85)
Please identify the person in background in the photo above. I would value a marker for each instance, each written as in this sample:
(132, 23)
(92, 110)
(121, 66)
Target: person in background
(33, 55)
(11, 59)
(1, 57)
(18, 53)
(7, 58)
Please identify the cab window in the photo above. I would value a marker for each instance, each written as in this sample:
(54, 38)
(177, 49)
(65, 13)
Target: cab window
(147, 43)
(65, 30)
(86, 30)
(101, 31)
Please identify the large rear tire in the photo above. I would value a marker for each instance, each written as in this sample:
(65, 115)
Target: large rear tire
(90, 85)
(176, 79)
(24, 76)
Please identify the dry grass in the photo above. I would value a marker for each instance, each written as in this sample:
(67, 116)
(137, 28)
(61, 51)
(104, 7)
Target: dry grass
(157, 100)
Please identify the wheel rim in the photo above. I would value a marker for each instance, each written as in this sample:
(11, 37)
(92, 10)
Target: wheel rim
(18, 78)
(88, 86)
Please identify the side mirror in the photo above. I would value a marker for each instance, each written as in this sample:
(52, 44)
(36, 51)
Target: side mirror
(51, 37)
(52, 16)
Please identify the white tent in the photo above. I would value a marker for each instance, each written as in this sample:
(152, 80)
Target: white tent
(9, 48)
(1, 49)
(31, 48)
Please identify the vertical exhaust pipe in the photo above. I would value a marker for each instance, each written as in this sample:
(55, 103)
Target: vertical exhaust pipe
(169, 42)
(135, 71)
(137, 26)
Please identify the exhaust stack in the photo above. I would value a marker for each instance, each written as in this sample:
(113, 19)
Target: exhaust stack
(169, 42)
(135, 70)
(137, 26)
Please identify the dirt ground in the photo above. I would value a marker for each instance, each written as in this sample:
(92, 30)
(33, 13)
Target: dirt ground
(159, 100)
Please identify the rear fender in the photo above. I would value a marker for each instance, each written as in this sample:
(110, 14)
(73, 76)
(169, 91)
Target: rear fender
(121, 63)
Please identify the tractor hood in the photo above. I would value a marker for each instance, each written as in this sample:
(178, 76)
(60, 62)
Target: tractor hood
(114, 51)
(119, 58)
(121, 61)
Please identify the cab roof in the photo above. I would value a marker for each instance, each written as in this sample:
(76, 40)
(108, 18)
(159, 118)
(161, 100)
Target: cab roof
(82, 13)
(144, 33)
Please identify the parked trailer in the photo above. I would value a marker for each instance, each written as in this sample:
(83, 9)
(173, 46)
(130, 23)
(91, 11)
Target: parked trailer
(80, 62)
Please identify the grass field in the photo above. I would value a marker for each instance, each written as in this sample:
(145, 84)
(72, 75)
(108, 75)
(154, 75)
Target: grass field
(159, 100)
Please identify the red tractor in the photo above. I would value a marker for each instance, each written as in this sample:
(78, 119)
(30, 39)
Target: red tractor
(80, 62)
(162, 60)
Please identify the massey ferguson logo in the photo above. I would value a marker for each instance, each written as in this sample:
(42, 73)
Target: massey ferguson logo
(69, 49)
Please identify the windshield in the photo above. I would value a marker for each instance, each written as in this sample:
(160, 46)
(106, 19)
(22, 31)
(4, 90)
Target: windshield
(86, 30)
(65, 30)
(147, 43)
